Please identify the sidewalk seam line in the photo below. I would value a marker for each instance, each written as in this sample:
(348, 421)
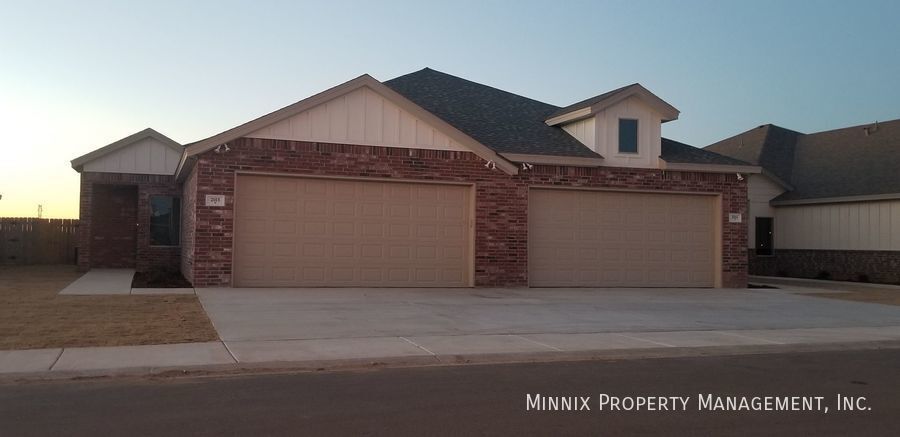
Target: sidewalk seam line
(61, 350)
(228, 349)
(644, 339)
(750, 338)
(419, 346)
(538, 343)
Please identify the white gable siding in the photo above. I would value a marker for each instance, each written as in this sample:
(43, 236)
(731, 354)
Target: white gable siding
(760, 190)
(601, 133)
(361, 116)
(584, 131)
(145, 156)
(648, 134)
(839, 226)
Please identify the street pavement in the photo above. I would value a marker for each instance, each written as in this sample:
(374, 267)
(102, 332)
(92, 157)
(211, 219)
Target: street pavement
(470, 400)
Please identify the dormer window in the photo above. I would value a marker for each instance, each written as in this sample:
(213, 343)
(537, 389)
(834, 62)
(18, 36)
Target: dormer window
(628, 132)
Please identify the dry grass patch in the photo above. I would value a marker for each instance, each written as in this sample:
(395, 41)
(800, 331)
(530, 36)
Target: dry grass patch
(33, 314)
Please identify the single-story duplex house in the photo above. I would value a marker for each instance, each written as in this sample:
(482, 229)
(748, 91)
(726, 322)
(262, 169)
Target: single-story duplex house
(425, 180)
(827, 204)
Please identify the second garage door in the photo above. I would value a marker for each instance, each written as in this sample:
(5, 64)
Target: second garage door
(308, 232)
(583, 238)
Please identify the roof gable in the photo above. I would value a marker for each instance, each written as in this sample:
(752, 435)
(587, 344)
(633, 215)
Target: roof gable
(273, 118)
(153, 153)
(587, 107)
(361, 116)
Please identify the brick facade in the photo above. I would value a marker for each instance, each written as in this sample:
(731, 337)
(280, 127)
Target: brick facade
(881, 266)
(501, 207)
(130, 225)
(764, 265)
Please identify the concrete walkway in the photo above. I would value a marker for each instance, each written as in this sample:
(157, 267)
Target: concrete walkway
(415, 349)
(114, 282)
(102, 281)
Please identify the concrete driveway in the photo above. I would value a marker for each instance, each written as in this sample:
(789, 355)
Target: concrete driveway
(300, 314)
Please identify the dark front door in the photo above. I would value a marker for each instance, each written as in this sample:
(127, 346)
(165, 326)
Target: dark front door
(113, 226)
(764, 235)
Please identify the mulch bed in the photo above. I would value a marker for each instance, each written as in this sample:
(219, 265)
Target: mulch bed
(760, 286)
(160, 279)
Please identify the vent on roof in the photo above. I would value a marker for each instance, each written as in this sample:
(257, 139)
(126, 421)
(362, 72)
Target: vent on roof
(871, 129)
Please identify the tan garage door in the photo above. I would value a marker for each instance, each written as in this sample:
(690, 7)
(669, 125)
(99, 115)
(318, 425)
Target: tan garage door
(583, 238)
(305, 232)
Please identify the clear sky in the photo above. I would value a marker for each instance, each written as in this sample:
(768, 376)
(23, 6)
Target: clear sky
(75, 76)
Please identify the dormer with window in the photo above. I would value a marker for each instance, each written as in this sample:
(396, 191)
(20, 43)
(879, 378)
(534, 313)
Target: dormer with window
(623, 125)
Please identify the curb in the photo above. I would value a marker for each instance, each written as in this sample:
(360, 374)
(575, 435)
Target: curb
(357, 364)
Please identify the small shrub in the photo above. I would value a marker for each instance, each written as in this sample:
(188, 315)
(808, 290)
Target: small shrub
(823, 274)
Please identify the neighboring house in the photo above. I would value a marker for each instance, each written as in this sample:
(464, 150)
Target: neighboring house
(425, 180)
(826, 204)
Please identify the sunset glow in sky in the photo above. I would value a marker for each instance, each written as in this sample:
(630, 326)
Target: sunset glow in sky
(75, 76)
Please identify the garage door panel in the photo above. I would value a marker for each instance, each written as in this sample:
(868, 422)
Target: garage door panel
(620, 239)
(350, 233)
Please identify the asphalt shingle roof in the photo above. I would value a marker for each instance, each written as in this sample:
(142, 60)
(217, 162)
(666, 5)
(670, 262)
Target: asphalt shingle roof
(503, 121)
(589, 101)
(767, 146)
(675, 152)
(835, 163)
(510, 123)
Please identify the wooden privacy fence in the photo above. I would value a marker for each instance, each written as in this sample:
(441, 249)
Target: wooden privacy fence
(30, 240)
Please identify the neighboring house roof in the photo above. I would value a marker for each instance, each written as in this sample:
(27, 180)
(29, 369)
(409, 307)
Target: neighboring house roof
(768, 146)
(610, 98)
(79, 162)
(497, 125)
(503, 121)
(854, 161)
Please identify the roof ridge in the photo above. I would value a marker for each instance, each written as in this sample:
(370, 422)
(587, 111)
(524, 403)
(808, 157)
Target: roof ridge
(858, 126)
(431, 70)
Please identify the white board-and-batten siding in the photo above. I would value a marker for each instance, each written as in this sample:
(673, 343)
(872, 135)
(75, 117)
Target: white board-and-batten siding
(760, 190)
(584, 131)
(145, 156)
(600, 132)
(873, 225)
(363, 117)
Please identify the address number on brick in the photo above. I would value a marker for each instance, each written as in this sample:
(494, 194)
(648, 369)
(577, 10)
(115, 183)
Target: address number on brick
(215, 200)
(734, 217)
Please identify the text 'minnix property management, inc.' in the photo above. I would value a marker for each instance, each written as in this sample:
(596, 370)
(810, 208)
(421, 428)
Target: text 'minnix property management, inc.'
(698, 402)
